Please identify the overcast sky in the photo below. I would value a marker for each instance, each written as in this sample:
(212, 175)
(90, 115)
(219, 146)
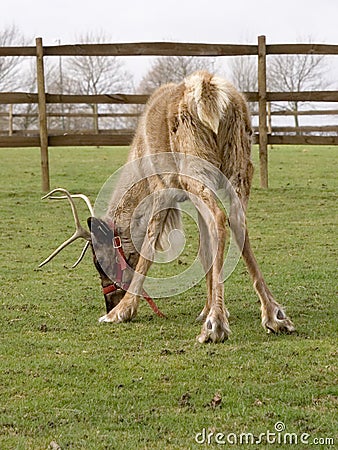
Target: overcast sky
(217, 21)
(221, 21)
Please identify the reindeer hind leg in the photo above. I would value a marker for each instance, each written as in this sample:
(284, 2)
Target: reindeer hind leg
(274, 318)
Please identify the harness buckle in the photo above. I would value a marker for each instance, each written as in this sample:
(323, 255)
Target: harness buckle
(117, 242)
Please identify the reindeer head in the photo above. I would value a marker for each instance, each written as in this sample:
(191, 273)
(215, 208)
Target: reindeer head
(106, 248)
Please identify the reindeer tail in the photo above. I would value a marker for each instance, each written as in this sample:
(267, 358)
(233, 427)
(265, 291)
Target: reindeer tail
(209, 93)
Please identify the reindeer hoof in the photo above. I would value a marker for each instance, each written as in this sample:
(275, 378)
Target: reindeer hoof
(214, 330)
(125, 311)
(117, 317)
(105, 318)
(278, 323)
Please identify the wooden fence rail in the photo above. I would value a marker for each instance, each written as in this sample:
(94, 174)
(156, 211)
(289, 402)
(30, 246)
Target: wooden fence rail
(130, 99)
(171, 49)
(119, 137)
(312, 112)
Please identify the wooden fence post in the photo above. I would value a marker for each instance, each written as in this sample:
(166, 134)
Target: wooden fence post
(42, 115)
(263, 137)
(10, 120)
(96, 120)
(269, 123)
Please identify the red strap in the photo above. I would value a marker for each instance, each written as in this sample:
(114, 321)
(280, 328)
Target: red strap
(109, 289)
(152, 304)
(122, 258)
(121, 266)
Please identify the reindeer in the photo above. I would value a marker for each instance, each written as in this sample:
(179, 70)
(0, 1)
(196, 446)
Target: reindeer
(202, 119)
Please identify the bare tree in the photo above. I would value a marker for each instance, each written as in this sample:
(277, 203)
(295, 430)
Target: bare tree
(11, 78)
(173, 69)
(10, 65)
(243, 74)
(30, 110)
(59, 81)
(97, 74)
(295, 73)
(91, 75)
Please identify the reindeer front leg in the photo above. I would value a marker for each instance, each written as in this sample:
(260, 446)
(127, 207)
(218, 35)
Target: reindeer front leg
(126, 310)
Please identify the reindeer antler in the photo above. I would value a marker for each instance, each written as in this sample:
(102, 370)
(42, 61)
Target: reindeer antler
(80, 232)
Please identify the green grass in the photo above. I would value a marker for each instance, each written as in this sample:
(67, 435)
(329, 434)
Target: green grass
(148, 384)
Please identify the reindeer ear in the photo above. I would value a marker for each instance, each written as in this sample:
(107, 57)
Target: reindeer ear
(89, 222)
(100, 230)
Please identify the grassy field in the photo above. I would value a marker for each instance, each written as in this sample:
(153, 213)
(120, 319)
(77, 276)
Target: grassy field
(148, 384)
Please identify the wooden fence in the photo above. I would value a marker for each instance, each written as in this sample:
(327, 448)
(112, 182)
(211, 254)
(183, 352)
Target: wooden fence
(93, 124)
(263, 137)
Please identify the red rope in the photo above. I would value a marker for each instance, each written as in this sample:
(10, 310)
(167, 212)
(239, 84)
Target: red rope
(112, 288)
